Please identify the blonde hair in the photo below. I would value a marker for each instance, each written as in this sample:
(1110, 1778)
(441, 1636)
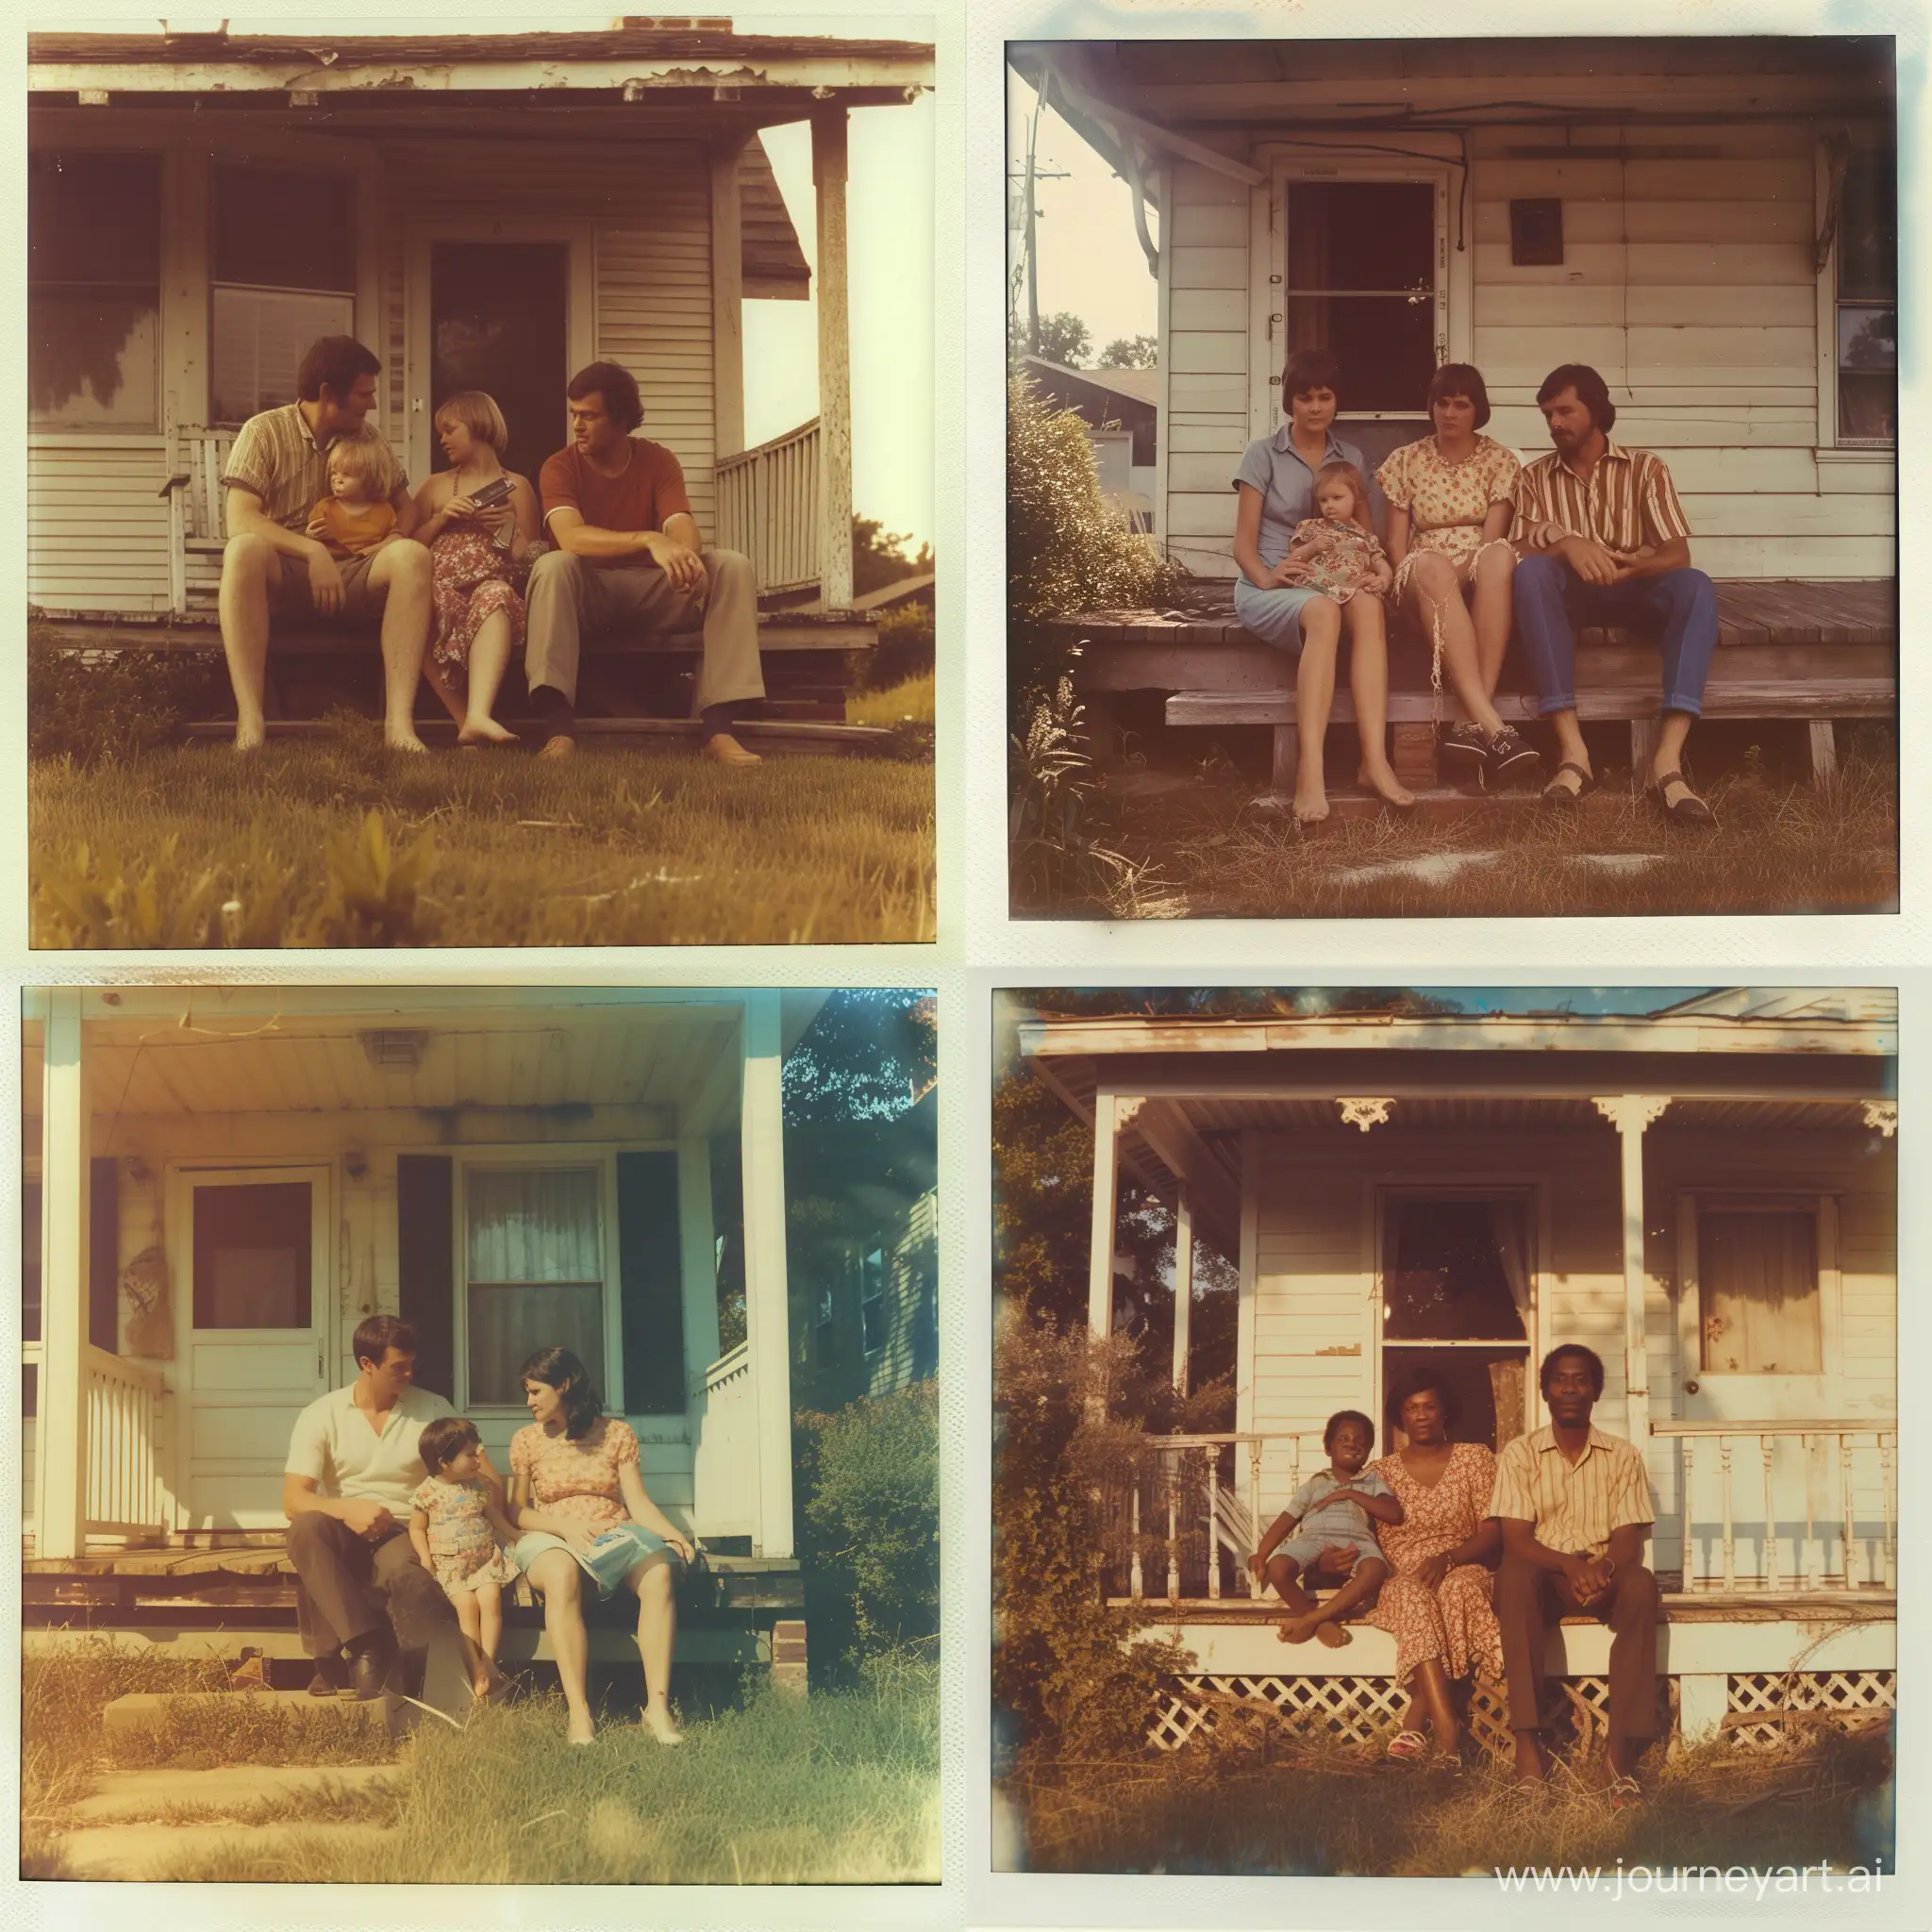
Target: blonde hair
(364, 458)
(1347, 472)
(478, 414)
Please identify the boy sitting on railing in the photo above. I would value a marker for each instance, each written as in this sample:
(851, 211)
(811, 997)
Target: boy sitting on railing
(1330, 1524)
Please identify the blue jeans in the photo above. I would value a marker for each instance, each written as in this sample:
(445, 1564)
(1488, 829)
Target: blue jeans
(1552, 600)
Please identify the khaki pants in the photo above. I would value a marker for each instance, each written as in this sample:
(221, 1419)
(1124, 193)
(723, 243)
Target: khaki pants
(1529, 1599)
(573, 596)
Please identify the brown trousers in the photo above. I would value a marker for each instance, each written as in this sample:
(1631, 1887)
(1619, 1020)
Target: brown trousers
(1528, 1600)
(347, 1587)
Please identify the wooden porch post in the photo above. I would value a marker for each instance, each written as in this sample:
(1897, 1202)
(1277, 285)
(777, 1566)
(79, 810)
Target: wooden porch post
(1183, 1285)
(767, 1316)
(828, 153)
(65, 1169)
(727, 301)
(1106, 1183)
(698, 1258)
(1631, 1113)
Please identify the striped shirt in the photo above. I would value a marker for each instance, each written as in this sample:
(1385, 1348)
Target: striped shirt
(1629, 500)
(276, 458)
(1573, 1507)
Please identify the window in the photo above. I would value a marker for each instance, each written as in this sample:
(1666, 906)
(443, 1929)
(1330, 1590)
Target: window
(871, 1298)
(1868, 299)
(93, 291)
(535, 1274)
(824, 1333)
(284, 257)
(252, 1253)
(1758, 1303)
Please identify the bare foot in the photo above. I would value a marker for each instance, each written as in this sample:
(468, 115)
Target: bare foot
(1380, 778)
(1334, 1635)
(251, 737)
(1299, 1629)
(1310, 807)
(479, 1686)
(485, 731)
(403, 740)
(582, 1729)
(657, 1723)
(1531, 1768)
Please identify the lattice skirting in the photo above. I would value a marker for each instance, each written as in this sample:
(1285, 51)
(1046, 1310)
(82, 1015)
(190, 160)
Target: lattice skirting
(1768, 1709)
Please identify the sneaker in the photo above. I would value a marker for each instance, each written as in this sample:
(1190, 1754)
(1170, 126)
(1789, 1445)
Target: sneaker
(1511, 756)
(1464, 755)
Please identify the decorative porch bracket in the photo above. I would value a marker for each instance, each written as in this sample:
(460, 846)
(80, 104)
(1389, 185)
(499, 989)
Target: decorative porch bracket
(1882, 1114)
(1365, 1110)
(1630, 1114)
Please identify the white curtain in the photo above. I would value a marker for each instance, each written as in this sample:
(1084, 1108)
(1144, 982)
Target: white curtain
(1510, 1230)
(536, 1274)
(1759, 1274)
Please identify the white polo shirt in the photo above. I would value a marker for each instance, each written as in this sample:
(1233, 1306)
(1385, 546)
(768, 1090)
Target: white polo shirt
(334, 1444)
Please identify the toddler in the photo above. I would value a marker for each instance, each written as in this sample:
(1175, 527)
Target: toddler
(1336, 553)
(355, 518)
(1339, 1506)
(461, 1536)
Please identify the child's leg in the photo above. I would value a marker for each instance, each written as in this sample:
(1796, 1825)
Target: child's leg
(469, 1612)
(490, 1617)
(489, 659)
(1368, 676)
(1284, 1575)
(1314, 697)
(1364, 1581)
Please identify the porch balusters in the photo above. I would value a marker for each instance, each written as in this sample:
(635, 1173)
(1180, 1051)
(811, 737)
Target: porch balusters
(1888, 1488)
(1173, 1546)
(1844, 1466)
(1813, 1558)
(1687, 1479)
(1255, 1505)
(1213, 1524)
(1768, 1447)
(1134, 1560)
(1723, 1463)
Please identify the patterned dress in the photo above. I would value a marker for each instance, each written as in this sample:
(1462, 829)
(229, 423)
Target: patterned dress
(1453, 1622)
(1447, 502)
(462, 1545)
(576, 1478)
(470, 581)
(1345, 563)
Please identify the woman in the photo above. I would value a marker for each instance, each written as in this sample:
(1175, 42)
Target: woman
(478, 558)
(576, 1495)
(1450, 498)
(1436, 1604)
(1275, 490)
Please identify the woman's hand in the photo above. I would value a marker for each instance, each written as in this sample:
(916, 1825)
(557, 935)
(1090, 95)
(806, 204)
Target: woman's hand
(1430, 1571)
(686, 1549)
(580, 1536)
(462, 510)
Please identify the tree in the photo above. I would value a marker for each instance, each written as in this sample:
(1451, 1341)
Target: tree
(869, 1055)
(1130, 351)
(1063, 338)
(878, 556)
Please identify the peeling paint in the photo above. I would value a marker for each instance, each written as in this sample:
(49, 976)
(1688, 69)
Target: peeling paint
(1341, 1348)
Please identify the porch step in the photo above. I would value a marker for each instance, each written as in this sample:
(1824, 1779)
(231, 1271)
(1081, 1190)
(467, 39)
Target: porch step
(788, 630)
(137, 1851)
(147, 1710)
(127, 1797)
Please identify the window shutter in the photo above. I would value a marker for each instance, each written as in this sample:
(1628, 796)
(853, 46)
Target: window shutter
(652, 1274)
(104, 1254)
(426, 1261)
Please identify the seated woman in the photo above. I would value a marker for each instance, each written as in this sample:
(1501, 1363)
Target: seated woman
(576, 1495)
(1437, 1603)
(1275, 489)
(479, 558)
(1450, 498)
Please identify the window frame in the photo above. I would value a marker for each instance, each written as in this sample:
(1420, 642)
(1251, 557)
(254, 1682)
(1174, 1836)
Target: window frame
(875, 1244)
(1831, 448)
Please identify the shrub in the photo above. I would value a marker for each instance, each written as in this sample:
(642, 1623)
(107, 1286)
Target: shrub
(89, 704)
(905, 647)
(872, 1520)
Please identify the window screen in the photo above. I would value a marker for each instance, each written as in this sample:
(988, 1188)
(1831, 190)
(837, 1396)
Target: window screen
(536, 1274)
(1868, 299)
(252, 1256)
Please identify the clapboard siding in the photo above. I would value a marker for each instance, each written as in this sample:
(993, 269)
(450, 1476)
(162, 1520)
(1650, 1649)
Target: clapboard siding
(97, 523)
(903, 1358)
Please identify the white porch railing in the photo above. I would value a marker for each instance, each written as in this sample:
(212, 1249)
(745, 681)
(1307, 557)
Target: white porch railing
(198, 518)
(1740, 1498)
(725, 1463)
(123, 1489)
(768, 507)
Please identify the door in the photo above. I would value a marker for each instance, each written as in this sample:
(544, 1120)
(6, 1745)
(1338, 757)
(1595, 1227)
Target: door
(1458, 1294)
(254, 1289)
(498, 323)
(1362, 277)
(1757, 1344)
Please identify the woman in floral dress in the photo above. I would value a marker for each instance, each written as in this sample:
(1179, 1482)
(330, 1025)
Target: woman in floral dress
(1436, 1604)
(576, 1495)
(1450, 498)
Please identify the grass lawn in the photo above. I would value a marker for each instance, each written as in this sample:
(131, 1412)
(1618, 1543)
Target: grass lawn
(842, 1787)
(1200, 848)
(340, 844)
(1332, 1809)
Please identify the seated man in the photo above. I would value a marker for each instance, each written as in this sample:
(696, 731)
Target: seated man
(1602, 539)
(1574, 1505)
(352, 1467)
(276, 473)
(628, 551)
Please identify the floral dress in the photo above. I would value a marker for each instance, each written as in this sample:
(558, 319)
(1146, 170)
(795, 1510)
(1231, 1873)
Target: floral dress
(1447, 502)
(462, 1545)
(470, 581)
(1345, 563)
(580, 1479)
(1454, 1622)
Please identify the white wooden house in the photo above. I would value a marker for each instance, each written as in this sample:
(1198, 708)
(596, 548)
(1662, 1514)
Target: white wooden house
(220, 1184)
(1706, 1196)
(482, 210)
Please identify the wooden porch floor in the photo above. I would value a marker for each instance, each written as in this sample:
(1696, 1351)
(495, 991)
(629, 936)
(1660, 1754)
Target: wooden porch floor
(1696, 1607)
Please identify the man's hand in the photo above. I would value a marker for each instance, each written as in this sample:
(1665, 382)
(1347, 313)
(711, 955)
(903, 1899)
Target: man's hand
(1630, 562)
(685, 568)
(1588, 1577)
(1591, 561)
(324, 581)
(1544, 536)
(366, 1517)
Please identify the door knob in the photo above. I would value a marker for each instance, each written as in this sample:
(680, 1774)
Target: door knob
(1691, 1387)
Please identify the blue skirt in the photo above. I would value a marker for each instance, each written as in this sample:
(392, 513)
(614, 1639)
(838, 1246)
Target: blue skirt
(607, 1562)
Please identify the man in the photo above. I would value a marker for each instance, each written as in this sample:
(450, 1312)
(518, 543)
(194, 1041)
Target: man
(361, 1593)
(628, 551)
(1602, 539)
(1574, 1505)
(276, 473)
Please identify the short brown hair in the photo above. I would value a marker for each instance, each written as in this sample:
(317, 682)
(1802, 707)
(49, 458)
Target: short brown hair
(447, 1437)
(617, 386)
(1460, 379)
(1309, 369)
(336, 362)
(363, 457)
(377, 1334)
(1593, 391)
(477, 412)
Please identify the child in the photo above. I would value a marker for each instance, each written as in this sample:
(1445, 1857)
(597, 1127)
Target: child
(355, 518)
(1336, 553)
(1333, 1508)
(460, 1534)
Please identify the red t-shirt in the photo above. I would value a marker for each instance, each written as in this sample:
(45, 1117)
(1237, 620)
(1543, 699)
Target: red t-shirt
(644, 497)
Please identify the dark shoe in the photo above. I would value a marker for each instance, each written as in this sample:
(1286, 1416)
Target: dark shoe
(1690, 809)
(1561, 795)
(559, 745)
(369, 1670)
(1464, 755)
(1511, 757)
(331, 1678)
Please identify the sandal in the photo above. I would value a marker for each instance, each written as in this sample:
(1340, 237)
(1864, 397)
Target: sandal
(1408, 1747)
(1690, 809)
(1508, 756)
(1561, 794)
(1624, 1793)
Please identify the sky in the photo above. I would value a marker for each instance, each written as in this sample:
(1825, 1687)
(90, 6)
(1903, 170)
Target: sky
(1090, 261)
